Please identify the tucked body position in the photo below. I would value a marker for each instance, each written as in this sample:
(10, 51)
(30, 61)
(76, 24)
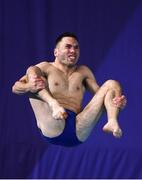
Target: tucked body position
(56, 90)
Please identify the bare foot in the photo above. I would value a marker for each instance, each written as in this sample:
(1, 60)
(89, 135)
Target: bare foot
(113, 127)
(58, 112)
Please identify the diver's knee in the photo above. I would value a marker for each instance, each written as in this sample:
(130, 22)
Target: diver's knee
(112, 84)
(34, 69)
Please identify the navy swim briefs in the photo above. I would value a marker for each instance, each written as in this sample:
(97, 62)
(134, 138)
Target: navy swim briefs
(68, 136)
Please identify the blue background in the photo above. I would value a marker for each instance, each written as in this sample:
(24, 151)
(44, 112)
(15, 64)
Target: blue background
(110, 36)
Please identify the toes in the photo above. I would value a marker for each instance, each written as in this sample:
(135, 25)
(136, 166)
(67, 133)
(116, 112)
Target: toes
(65, 115)
(60, 116)
(117, 133)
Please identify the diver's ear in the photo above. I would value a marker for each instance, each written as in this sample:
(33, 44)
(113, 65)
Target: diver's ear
(55, 52)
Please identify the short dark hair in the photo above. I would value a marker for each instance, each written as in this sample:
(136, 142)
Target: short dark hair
(65, 34)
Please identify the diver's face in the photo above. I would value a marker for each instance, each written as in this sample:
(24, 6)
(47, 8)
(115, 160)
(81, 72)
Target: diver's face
(67, 51)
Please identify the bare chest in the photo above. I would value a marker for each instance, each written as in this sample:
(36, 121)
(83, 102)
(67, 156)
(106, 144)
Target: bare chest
(60, 83)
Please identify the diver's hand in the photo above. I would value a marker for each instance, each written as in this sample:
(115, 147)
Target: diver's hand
(36, 83)
(120, 101)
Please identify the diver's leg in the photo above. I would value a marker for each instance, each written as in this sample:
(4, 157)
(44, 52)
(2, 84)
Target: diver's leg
(86, 120)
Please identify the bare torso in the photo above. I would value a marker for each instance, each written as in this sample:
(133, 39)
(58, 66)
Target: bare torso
(68, 90)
